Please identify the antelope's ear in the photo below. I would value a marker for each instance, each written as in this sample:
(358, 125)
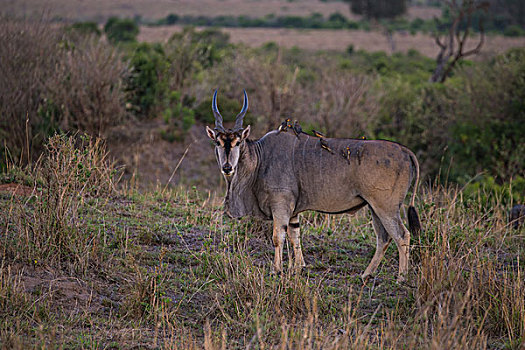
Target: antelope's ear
(211, 133)
(245, 133)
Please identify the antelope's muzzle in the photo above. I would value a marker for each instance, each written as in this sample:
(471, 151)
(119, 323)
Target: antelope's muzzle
(227, 169)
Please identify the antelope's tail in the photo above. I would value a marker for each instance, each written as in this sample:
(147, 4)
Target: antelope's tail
(414, 225)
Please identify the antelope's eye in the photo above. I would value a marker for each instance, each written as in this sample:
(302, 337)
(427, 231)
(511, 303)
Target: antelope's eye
(219, 142)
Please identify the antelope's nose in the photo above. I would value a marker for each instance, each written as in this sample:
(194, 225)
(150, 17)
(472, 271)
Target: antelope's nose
(227, 169)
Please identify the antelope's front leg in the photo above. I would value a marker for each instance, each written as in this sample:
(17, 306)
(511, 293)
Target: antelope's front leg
(295, 237)
(279, 234)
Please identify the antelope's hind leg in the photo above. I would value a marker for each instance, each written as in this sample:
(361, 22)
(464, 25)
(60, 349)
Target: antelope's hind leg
(294, 236)
(382, 242)
(396, 229)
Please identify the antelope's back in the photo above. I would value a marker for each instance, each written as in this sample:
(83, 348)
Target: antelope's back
(339, 176)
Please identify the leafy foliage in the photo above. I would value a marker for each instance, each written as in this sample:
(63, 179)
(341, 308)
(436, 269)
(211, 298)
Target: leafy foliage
(121, 30)
(474, 121)
(147, 83)
(378, 9)
(178, 116)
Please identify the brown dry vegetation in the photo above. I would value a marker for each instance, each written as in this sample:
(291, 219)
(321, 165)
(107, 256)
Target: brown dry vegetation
(337, 40)
(101, 10)
(50, 80)
(87, 263)
(164, 269)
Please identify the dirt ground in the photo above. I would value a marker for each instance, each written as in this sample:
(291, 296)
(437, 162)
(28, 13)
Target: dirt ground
(153, 161)
(17, 189)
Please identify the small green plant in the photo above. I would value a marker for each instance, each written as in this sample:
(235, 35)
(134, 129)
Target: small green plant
(178, 116)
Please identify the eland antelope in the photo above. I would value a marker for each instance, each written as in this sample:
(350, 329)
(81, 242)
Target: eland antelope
(283, 174)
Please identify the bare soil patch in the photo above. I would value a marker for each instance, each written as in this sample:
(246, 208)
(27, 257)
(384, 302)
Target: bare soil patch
(16, 189)
(145, 155)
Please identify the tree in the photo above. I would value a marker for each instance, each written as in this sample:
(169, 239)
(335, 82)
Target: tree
(377, 9)
(508, 12)
(453, 44)
(380, 9)
(121, 30)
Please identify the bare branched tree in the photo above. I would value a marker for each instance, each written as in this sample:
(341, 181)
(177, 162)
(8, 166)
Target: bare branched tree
(453, 44)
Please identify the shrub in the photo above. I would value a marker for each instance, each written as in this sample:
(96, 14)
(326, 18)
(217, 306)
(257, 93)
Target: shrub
(52, 81)
(86, 88)
(28, 56)
(514, 30)
(121, 30)
(190, 51)
(269, 83)
(171, 19)
(472, 124)
(178, 116)
(148, 82)
(490, 109)
(229, 108)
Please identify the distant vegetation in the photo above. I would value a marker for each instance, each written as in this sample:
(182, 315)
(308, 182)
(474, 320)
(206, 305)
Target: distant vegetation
(379, 8)
(467, 126)
(121, 30)
(495, 25)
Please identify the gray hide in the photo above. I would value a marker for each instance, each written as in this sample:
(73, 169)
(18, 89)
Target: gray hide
(281, 175)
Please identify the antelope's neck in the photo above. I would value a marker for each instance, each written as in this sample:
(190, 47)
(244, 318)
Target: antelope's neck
(240, 198)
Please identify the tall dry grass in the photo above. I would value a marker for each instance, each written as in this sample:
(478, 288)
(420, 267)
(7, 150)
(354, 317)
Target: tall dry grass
(48, 228)
(209, 282)
(466, 289)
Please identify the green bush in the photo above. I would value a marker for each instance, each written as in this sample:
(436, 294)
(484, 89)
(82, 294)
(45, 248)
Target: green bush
(171, 19)
(178, 116)
(121, 30)
(487, 191)
(148, 82)
(472, 124)
(490, 109)
(514, 30)
(229, 109)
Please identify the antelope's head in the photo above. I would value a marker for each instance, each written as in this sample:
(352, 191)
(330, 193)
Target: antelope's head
(228, 142)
